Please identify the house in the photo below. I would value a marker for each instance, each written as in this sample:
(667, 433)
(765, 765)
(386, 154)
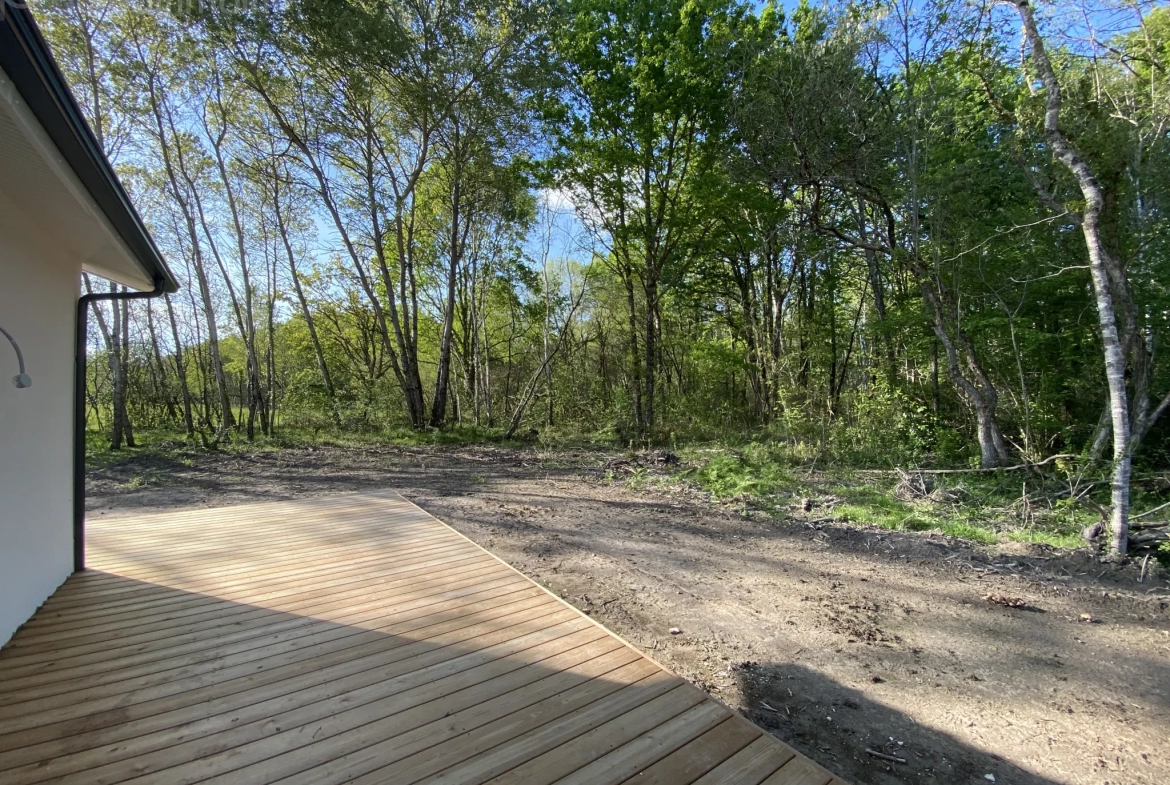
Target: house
(62, 211)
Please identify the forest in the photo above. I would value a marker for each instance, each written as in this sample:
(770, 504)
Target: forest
(873, 234)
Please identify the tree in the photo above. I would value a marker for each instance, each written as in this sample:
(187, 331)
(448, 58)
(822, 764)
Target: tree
(1126, 351)
(635, 128)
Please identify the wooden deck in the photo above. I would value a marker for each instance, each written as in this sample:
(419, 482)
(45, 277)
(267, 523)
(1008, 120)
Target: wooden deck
(344, 639)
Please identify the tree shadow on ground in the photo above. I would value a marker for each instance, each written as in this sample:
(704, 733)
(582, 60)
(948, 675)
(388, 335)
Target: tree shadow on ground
(174, 478)
(836, 725)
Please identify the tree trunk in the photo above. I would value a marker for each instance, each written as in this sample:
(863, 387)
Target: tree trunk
(306, 313)
(635, 359)
(181, 369)
(651, 351)
(443, 373)
(405, 370)
(164, 388)
(124, 365)
(486, 373)
(109, 342)
(980, 393)
(530, 388)
(114, 358)
(548, 386)
(1107, 274)
(157, 109)
(246, 320)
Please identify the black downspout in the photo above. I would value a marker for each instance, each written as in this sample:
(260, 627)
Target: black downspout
(80, 348)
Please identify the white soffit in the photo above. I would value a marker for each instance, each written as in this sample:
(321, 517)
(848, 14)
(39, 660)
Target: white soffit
(35, 176)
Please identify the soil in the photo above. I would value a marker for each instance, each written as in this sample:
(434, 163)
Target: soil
(963, 662)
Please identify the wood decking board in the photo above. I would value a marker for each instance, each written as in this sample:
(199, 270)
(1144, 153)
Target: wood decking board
(344, 639)
(282, 630)
(750, 766)
(149, 733)
(283, 601)
(321, 643)
(799, 771)
(133, 594)
(65, 632)
(284, 669)
(330, 558)
(691, 761)
(192, 638)
(231, 617)
(169, 607)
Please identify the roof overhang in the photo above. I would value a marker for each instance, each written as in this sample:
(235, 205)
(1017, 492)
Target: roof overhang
(54, 171)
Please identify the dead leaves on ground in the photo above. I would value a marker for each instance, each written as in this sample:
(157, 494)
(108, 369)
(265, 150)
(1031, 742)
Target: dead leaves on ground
(1006, 600)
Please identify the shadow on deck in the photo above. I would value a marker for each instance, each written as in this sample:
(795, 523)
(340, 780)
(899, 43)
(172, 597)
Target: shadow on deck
(348, 639)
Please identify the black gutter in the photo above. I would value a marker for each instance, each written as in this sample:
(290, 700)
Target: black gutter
(81, 352)
(25, 58)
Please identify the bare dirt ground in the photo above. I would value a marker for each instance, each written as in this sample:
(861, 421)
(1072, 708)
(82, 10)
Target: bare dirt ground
(836, 638)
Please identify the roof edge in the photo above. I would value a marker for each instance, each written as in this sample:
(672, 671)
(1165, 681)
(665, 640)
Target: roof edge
(25, 57)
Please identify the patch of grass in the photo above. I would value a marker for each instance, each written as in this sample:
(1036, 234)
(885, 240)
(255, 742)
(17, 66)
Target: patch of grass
(766, 474)
(1041, 536)
(984, 514)
(968, 531)
(886, 516)
(643, 478)
(883, 510)
(98, 454)
(638, 479)
(752, 473)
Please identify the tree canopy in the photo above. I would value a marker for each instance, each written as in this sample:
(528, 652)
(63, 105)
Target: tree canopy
(878, 232)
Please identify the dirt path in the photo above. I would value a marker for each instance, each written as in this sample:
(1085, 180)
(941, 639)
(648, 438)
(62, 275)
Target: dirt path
(837, 639)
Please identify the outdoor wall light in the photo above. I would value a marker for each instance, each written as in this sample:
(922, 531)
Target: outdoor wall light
(21, 379)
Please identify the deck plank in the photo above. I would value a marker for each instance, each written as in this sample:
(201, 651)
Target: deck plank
(693, 760)
(359, 617)
(154, 732)
(583, 749)
(349, 638)
(750, 766)
(799, 771)
(139, 596)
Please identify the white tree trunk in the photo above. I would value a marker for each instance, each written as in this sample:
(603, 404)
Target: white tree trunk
(1104, 269)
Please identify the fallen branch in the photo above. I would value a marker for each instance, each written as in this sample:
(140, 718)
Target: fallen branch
(1148, 538)
(993, 469)
(883, 756)
(1149, 512)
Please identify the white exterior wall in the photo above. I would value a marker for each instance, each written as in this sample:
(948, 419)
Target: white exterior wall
(38, 295)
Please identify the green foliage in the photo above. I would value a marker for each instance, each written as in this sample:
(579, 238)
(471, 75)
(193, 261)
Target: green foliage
(823, 238)
(887, 427)
(756, 471)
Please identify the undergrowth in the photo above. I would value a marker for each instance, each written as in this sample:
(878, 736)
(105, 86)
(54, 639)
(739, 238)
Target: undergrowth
(981, 508)
(765, 475)
(173, 441)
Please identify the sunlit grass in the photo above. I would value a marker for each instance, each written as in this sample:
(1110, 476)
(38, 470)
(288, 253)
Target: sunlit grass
(174, 443)
(982, 513)
(1041, 536)
(755, 474)
(969, 531)
(752, 471)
